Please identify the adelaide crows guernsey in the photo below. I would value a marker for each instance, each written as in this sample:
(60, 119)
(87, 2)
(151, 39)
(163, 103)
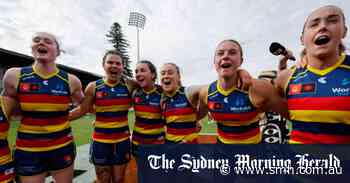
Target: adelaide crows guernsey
(149, 124)
(180, 118)
(5, 154)
(237, 118)
(112, 103)
(44, 103)
(318, 103)
(7, 173)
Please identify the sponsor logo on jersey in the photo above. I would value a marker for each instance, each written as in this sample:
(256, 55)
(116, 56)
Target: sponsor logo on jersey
(341, 91)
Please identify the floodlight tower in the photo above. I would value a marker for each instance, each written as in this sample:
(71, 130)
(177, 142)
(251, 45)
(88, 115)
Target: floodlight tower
(138, 20)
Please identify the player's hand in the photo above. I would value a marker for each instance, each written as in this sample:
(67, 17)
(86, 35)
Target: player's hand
(244, 79)
(283, 60)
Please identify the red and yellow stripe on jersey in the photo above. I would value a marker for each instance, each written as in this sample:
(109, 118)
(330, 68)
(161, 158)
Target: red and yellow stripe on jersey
(236, 116)
(149, 124)
(44, 103)
(112, 103)
(180, 118)
(318, 103)
(7, 173)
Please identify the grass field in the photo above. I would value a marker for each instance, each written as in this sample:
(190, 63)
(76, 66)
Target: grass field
(82, 128)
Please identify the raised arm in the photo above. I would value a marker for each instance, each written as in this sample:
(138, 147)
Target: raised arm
(282, 64)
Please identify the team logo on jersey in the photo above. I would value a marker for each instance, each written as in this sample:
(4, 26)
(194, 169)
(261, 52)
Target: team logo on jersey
(59, 89)
(214, 105)
(240, 102)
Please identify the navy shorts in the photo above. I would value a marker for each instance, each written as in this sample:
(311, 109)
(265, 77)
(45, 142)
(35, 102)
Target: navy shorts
(33, 163)
(7, 172)
(135, 149)
(109, 154)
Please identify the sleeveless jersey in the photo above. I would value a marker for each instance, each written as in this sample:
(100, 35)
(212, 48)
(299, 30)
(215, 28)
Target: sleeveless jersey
(236, 116)
(7, 173)
(149, 124)
(44, 103)
(5, 154)
(180, 118)
(318, 103)
(112, 103)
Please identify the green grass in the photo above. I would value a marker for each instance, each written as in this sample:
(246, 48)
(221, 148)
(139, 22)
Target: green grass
(82, 128)
(208, 126)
